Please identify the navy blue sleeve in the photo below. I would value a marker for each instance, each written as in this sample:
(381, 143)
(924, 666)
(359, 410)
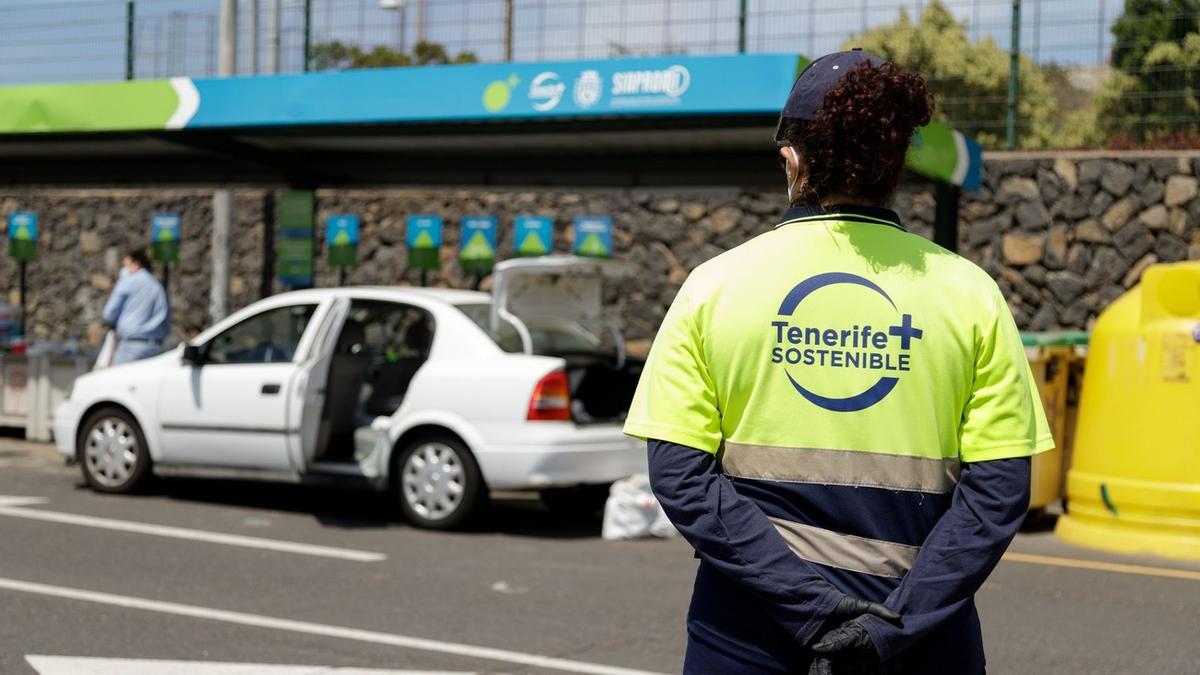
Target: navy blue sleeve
(732, 534)
(964, 547)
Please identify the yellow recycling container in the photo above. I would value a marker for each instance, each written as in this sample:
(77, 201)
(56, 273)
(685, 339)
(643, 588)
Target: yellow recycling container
(1055, 361)
(1134, 483)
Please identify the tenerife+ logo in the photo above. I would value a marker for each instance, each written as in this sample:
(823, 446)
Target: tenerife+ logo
(806, 350)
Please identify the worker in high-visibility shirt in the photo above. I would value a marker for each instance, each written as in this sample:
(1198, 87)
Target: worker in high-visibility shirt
(840, 414)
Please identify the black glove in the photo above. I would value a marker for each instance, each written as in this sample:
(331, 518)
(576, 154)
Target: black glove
(847, 644)
(851, 607)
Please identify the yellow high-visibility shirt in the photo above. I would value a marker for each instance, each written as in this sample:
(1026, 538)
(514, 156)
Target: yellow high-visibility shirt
(840, 332)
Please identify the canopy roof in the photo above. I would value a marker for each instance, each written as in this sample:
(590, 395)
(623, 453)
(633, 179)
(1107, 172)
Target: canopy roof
(630, 121)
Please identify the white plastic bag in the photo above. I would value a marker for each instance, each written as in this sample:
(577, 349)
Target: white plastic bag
(632, 512)
(108, 350)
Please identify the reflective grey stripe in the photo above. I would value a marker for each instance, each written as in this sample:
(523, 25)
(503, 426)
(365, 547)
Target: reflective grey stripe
(848, 552)
(839, 467)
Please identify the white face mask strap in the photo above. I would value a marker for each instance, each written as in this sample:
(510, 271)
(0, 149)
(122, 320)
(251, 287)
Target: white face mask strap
(791, 179)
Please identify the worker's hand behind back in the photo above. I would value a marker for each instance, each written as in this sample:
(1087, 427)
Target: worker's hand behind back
(851, 607)
(847, 645)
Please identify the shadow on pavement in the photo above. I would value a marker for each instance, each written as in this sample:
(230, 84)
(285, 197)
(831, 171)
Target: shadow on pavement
(1039, 520)
(349, 508)
(528, 517)
(335, 507)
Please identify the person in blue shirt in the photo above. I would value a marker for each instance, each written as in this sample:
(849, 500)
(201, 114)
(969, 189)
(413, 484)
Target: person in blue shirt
(138, 310)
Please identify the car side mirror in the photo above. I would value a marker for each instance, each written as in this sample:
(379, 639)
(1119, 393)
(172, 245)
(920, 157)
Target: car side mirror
(192, 355)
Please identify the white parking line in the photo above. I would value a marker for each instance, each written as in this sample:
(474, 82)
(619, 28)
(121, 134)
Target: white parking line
(14, 507)
(83, 665)
(337, 632)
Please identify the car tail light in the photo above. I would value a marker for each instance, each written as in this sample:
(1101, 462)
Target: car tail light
(551, 398)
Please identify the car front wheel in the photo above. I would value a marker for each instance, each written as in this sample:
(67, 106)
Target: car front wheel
(112, 451)
(438, 482)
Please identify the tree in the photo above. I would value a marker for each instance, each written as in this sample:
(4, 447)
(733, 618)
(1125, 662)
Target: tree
(1145, 23)
(337, 55)
(969, 80)
(1157, 97)
(1152, 92)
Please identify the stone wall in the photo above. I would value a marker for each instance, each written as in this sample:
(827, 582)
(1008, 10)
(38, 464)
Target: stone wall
(1064, 235)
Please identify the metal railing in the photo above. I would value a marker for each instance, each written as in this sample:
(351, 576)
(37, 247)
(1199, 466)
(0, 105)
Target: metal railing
(1068, 90)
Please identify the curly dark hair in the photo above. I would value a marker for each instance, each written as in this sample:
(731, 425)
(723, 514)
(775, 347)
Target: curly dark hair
(856, 144)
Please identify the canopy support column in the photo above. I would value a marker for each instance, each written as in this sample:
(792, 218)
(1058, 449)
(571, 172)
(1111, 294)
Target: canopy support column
(945, 220)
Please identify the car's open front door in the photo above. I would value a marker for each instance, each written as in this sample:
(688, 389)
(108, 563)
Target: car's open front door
(230, 406)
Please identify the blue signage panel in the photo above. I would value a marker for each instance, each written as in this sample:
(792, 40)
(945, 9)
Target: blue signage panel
(477, 249)
(748, 83)
(166, 232)
(22, 235)
(342, 230)
(424, 232)
(534, 235)
(165, 226)
(424, 238)
(341, 239)
(593, 236)
(22, 226)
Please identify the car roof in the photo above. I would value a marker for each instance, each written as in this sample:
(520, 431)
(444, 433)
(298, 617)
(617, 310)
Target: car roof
(452, 296)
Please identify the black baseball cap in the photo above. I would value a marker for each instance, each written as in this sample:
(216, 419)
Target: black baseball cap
(817, 78)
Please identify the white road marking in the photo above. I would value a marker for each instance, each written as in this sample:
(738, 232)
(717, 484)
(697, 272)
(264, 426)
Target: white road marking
(6, 500)
(308, 628)
(13, 507)
(82, 665)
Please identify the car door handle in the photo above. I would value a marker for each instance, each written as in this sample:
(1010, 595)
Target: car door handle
(270, 389)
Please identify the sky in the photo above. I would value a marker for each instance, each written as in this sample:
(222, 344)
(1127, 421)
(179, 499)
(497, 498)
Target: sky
(85, 40)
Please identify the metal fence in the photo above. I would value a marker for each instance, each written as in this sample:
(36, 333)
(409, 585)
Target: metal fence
(1069, 92)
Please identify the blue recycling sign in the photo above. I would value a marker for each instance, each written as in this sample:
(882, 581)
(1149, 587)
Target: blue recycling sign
(341, 238)
(342, 230)
(22, 235)
(166, 231)
(477, 250)
(534, 235)
(593, 236)
(424, 238)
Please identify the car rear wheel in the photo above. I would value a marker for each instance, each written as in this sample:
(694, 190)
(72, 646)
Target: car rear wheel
(112, 451)
(438, 482)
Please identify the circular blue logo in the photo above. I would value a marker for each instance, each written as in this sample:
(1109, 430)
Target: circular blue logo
(857, 347)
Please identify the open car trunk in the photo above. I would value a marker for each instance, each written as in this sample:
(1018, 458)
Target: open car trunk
(553, 306)
(601, 390)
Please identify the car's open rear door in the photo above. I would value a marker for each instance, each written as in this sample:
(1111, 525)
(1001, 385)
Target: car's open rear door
(307, 395)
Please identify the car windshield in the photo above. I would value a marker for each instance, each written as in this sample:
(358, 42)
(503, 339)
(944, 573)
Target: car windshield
(550, 336)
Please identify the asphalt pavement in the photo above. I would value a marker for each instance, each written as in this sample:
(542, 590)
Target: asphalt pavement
(205, 572)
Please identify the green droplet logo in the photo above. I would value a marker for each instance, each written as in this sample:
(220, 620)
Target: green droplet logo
(497, 94)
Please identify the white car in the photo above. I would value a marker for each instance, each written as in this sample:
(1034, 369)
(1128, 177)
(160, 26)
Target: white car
(440, 395)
